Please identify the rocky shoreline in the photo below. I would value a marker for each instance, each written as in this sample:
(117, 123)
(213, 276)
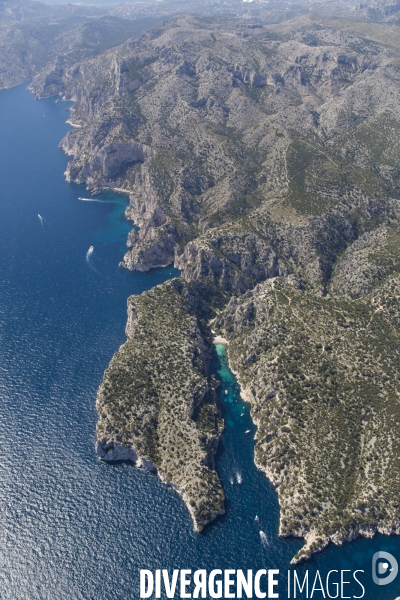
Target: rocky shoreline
(157, 405)
(315, 542)
(297, 432)
(262, 180)
(110, 452)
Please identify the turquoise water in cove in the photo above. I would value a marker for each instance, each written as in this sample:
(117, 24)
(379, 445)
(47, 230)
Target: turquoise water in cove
(71, 527)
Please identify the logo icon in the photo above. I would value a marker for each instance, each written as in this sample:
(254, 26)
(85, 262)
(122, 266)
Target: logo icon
(384, 568)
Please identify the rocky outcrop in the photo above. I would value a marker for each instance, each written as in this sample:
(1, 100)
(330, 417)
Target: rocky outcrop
(121, 165)
(153, 248)
(106, 163)
(154, 245)
(326, 425)
(232, 262)
(157, 406)
(110, 452)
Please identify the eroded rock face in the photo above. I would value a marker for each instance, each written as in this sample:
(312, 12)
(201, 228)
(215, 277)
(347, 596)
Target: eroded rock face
(245, 260)
(200, 139)
(154, 244)
(263, 163)
(110, 452)
(106, 163)
(152, 249)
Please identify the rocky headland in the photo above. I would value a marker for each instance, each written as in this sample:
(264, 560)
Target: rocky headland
(157, 406)
(263, 161)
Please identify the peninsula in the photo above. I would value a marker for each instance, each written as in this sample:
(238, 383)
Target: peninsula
(263, 162)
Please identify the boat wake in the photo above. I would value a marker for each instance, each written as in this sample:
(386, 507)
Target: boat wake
(97, 200)
(89, 253)
(89, 259)
(239, 478)
(264, 539)
(41, 219)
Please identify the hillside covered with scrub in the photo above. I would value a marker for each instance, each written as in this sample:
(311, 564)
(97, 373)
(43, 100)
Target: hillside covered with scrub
(263, 161)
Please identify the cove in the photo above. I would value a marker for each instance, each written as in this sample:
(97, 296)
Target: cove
(72, 528)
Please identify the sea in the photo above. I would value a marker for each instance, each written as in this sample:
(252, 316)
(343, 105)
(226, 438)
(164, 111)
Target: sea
(72, 527)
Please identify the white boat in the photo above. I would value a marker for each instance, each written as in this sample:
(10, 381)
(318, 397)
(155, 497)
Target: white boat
(247, 431)
(226, 391)
(91, 249)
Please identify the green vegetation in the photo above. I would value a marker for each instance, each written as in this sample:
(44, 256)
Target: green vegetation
(156, 399)
(322, 377)
(366, 263)
(272, 182)
(317, 178)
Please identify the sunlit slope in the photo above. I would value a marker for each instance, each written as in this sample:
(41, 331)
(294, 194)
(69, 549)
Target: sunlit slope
(322, 376)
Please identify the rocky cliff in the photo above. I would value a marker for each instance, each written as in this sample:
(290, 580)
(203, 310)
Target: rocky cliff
(320, 374)
(263, 161)
(273, 131)
(157, 407)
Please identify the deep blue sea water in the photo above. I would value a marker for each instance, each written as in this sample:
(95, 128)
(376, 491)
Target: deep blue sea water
(70, 526)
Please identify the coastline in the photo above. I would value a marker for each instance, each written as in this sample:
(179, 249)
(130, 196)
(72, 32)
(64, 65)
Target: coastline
(181, 443)
(247, 397)
(218, 339)
(152, 513)
(314, 542)
(112, 453)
